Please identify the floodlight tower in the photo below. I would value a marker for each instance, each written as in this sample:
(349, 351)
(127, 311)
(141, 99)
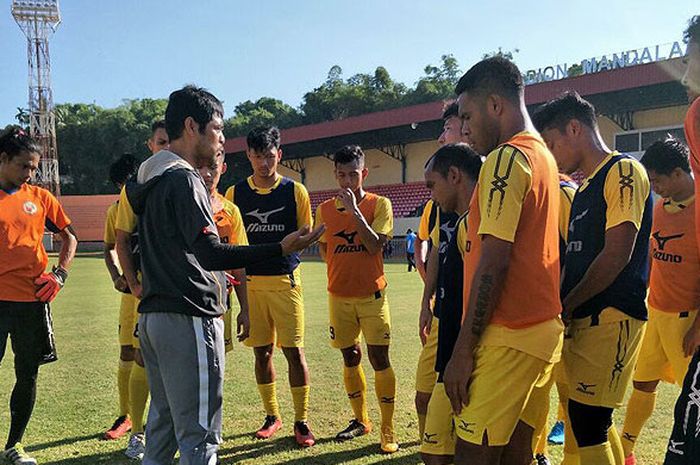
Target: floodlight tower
(38, 20)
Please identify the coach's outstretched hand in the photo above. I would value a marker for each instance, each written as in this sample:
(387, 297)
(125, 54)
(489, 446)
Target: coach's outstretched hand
(301, 239)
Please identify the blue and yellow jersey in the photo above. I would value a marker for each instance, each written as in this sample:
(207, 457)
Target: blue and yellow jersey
(567, 190)
(449, 294)
(126, 220)
(618, 191)
(436, 226)
(269, 214)
(110, 235)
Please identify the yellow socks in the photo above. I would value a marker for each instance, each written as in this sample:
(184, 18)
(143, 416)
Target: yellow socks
(300, 397)
(600, 454)
(639, 409)
(356, 387)
(123, 374)
(616, 445)
(268, 394)
(138, 396)
(385, 388)
(571, 456)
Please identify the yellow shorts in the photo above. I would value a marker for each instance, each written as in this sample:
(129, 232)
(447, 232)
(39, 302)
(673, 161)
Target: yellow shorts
(661, 356)
(351, 315)
(599, 360)
(499, 394)
(127, 319)
(276, 316)
(426, 376)
(439, 435)
(537, 409)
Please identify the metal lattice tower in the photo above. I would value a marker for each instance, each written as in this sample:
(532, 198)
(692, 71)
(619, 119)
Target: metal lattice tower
(39, 20)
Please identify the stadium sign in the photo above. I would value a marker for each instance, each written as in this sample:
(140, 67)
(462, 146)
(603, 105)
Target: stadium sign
(607, 62)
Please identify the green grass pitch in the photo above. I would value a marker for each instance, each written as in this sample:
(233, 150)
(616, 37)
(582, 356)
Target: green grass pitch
(77, 396)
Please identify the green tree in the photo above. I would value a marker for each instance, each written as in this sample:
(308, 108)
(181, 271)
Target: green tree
(22, 117)
(437, 83)
(90, 138)
(265, 111)
(362, 93)
(575, 70)
(507, 54)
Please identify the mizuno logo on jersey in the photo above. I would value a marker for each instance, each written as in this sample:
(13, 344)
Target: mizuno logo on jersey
(574, 246)
(263, 217)
(263, 228)
(664, 256)
(673, 447)
(466, 426)
(428, 438)
(572, 223)
(350, 247)
(584, 388)
(662, 240)
(349, 237)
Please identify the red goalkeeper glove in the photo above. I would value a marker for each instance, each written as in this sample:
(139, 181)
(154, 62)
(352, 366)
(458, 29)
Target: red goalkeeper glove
(50, 283)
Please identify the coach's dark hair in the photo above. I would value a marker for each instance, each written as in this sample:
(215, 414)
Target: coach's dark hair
(190, 101)
(558, 112)
(123, 169)
(496, 75)
(264, 138)
(158, 124)
(349, 154)
(664, 156)
(16, 141)
(692, 32)
(460, 155)
(450, 110)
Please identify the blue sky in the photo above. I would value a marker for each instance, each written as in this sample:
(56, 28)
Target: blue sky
(108, 50)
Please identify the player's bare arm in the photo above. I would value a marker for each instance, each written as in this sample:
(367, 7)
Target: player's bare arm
(241, 290)
(112, 264)
(616, 254)
(370, 239)
(430, 284)
(69, 244)
(126, 260)
(485, 292)
(419, 255)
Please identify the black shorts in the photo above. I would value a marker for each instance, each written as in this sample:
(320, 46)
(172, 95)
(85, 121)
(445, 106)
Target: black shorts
(684, 443)
(29, 327)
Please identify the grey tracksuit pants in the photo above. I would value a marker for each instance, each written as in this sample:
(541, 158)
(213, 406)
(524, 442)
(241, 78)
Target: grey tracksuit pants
(184, 358)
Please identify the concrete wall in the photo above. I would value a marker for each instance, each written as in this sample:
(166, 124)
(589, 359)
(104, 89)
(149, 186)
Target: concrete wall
(660, 117)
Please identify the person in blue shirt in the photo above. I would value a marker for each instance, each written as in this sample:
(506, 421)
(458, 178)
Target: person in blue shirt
(410, 243)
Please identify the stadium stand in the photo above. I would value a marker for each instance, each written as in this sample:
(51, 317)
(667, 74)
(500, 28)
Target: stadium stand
(405, 198)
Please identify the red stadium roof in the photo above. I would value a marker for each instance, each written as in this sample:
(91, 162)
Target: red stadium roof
(589, 84)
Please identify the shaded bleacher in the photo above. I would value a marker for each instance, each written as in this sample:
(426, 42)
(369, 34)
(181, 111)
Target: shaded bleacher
(406, 199)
